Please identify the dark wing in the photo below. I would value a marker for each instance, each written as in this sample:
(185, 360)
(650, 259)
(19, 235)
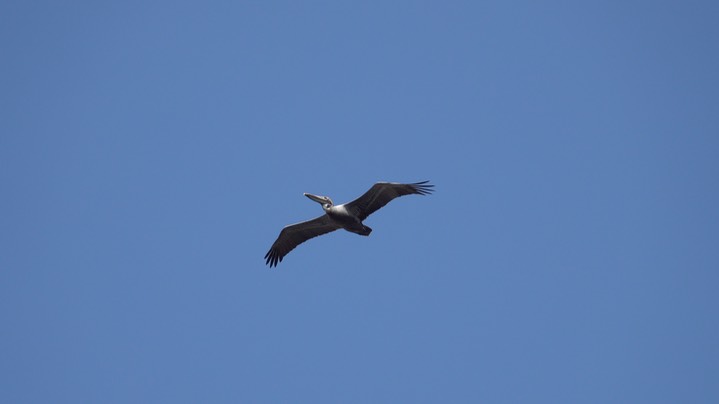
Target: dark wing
(295, 234)
(381, 193)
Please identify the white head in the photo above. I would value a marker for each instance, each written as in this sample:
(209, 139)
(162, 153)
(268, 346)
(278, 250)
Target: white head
(325, 201)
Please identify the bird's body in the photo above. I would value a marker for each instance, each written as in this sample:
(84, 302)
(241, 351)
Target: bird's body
(341, 215)
(348, 216)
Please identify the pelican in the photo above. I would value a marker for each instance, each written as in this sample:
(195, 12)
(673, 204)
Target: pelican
(348, 216)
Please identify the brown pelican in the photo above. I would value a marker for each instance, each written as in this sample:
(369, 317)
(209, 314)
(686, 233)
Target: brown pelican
(348, 216)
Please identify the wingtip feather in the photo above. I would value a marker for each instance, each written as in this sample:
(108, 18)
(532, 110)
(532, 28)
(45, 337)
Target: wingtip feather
(423, 187)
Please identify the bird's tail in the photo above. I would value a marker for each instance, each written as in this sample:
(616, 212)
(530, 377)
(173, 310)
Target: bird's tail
(365, 230)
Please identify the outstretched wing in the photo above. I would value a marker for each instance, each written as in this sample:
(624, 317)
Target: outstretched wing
(381, 193)
(295, 234)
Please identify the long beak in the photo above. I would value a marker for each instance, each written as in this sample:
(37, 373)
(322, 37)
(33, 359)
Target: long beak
(315, 198)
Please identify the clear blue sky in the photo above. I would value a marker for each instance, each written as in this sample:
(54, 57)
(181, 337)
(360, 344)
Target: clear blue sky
(151, 151)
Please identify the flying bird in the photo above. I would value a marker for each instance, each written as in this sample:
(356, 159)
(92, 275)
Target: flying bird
(348, 216)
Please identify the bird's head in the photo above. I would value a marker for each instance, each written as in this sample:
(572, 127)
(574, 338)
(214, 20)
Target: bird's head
(325, 201)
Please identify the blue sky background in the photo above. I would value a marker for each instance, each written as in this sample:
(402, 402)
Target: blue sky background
(151, 151)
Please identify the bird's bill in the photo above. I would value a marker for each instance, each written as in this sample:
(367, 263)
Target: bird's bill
(315, 198)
